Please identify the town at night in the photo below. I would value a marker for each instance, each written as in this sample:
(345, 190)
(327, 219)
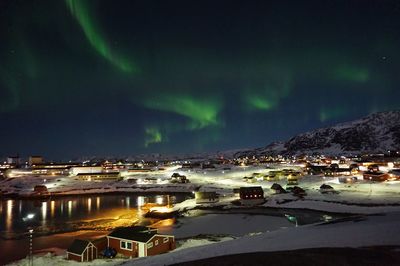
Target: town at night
(199, 132)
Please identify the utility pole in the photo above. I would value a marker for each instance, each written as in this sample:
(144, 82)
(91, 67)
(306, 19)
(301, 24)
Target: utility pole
(30, 247)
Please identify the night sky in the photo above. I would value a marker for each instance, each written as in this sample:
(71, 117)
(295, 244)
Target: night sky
(117, 78)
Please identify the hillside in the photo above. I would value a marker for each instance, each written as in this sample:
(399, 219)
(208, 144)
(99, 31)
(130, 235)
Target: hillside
(378, 132)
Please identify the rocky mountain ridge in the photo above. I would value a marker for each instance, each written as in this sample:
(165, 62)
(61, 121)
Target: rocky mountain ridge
(375, 133)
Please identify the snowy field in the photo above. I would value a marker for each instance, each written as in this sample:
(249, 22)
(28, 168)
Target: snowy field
(227, 224)
(377, 230)
(228, 232)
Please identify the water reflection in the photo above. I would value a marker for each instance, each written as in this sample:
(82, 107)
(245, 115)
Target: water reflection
(69, 208)
(72, 212)
(140, 201)
(9, 214)
(52, 208)
(98, 203)
(159, 200)
(89, 204)
(44, 212)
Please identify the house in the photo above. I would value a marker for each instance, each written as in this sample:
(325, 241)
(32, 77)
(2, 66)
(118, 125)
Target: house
(251, 195)
(34, 159)
(100, 244)
(277, 189)
(139, 241)
(316, 169)
(85, 170)
(206, 197)
(375, 176)
(106, 176)
(13, 160)
(177, 178)
(82, 250)
(292, 180)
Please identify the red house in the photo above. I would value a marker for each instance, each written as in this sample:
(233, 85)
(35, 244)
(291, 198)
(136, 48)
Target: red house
(251, 195)
(139, 241)
(375, 176)
(82, 250)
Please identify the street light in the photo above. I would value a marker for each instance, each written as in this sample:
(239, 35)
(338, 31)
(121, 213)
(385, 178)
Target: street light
(31, 247)
(29, 218)
(292, 219)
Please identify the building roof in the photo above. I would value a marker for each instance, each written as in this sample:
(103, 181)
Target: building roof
(134, 233)
(78, 246)
(371, 173)
(251, 189)
(102, 173)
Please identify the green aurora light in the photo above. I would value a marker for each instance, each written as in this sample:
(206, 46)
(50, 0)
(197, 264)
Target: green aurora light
(153, 135)
(259, 103)
(201, 112)
(352, 73)
(80, 10)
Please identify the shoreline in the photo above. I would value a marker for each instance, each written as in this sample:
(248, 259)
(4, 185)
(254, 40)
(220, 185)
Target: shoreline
(63, 195)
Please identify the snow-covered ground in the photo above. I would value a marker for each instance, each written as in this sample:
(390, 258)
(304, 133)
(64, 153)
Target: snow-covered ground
(227, 224)
(241, 232)
(372, 231)
(51, 259)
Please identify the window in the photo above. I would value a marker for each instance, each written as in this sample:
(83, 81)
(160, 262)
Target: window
(156, 242)
(150, 245)
(165, 240)
(126, 245)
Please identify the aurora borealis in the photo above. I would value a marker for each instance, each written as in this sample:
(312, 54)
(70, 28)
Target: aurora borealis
(82, 77)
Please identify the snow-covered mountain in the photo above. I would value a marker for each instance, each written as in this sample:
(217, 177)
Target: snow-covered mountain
(378, 132)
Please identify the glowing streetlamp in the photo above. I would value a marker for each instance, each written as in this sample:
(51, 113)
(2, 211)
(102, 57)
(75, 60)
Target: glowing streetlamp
(292, 219)
(31, 247)
(28, 218)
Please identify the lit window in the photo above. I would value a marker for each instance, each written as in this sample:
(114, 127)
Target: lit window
(150, 245)
(165, 240)
(156, 242)
(126, 245)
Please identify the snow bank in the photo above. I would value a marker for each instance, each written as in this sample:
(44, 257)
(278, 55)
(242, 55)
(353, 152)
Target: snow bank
(50, 259)
(373, 231)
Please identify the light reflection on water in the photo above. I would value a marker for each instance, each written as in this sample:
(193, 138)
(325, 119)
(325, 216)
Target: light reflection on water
(58, 213)
(89, 204)
(98, 203)
(9, 214)
(44, 212)
(52, 208)
(69, 208)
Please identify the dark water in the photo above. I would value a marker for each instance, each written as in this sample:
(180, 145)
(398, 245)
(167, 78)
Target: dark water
(66, 214)
(16, 216)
